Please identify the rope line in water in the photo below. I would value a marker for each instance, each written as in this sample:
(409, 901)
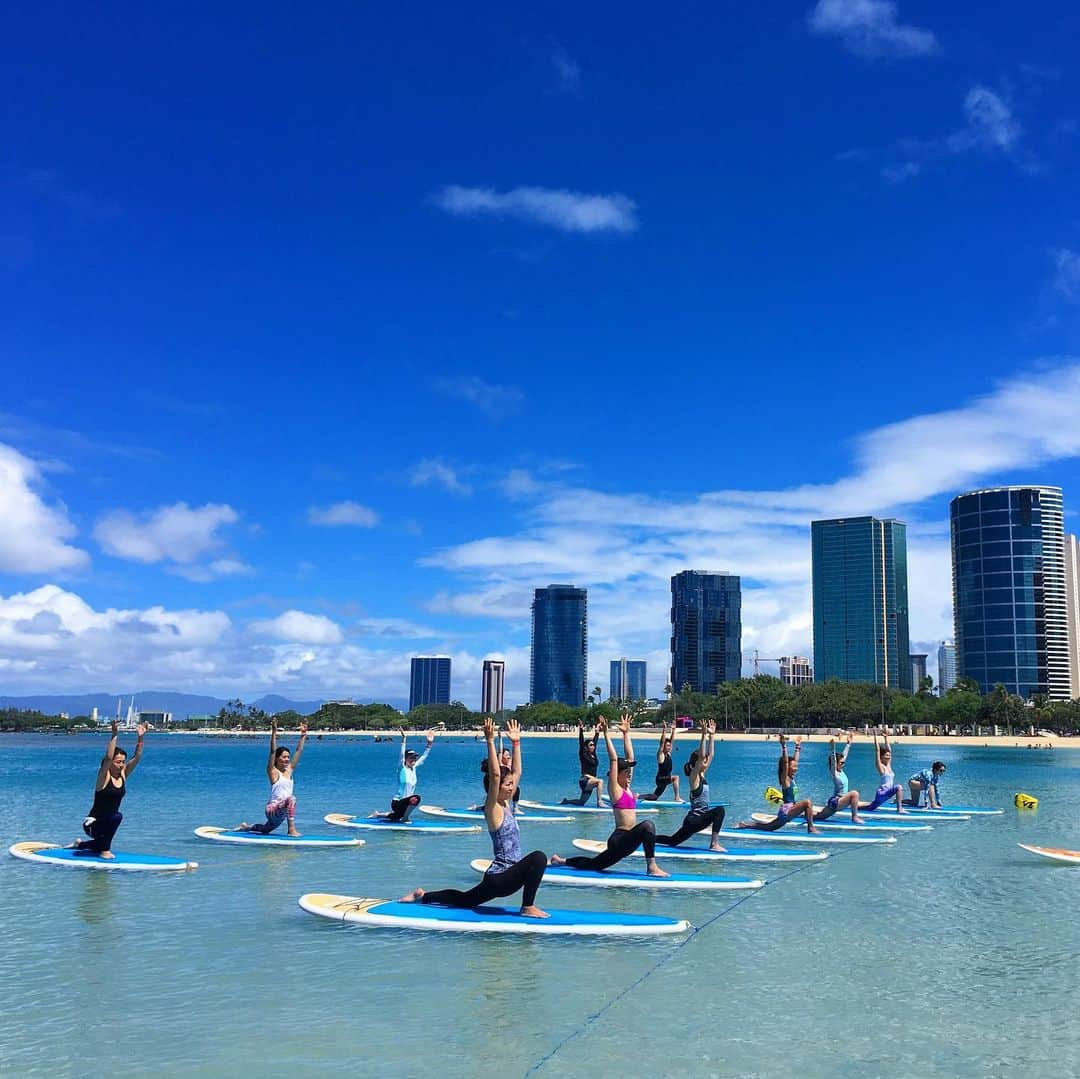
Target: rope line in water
(692, 935)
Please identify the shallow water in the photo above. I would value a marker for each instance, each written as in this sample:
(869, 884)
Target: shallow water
(951, 953)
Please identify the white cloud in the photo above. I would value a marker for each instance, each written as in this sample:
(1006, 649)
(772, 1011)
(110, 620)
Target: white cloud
(1067, 273)
(494, 401)
(299, 627)
(871, 29)
(568, 211)
(991, 124)
(897, 174)
(179, 533)
(343, 513)
(212, 571)
(567, 70)
(33, 534)
(434, 471)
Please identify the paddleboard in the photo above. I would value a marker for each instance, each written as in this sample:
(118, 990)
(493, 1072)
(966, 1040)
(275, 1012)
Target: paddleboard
(620, 878)
(1055, 854)
(780, 836)
(950, 810)
(226, 835)
(842, 826)
(882, 820)
(51, 854)
(703, 854)
(553, 807)
(385, 912)
(427, 827)
(464, 813)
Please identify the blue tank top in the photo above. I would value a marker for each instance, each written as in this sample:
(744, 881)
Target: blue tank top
(505, 842)
(699, 799)
(840, 782)
(790, 793)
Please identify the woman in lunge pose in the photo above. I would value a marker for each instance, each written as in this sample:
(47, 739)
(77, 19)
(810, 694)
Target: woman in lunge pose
(509, 871)
(281, 805)
(665, 753)
(842, 797)
(587, 781)
(787, 769)
(109, 790)
(629, 833)
(701, 815)
(406, 799)
(888, 788)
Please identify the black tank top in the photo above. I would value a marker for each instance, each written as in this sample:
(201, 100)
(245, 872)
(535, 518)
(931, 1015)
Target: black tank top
(107, 800)
(663, 767)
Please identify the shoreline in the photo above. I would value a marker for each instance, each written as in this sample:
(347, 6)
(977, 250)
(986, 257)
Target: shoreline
(1000, 741)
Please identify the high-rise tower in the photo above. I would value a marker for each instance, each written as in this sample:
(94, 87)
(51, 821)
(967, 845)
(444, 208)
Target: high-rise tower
(706, 630)
(560, 644)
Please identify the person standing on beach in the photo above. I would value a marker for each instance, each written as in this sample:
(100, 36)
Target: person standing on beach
(509, 872)
(888, 788)
(926, 782)
(664, 760)
(406, 800)
(793, 806)
(701, 814)
(629, 833)
(590, 765)
(110, 787)
(281, 805)
(841, 797)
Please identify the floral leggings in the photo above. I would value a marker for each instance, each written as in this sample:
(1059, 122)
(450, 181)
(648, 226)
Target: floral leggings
(276, 813)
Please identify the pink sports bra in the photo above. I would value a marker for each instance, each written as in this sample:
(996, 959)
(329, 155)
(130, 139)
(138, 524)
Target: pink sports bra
(626, 800)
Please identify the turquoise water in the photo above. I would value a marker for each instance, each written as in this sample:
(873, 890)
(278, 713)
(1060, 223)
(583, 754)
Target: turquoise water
(951, 953)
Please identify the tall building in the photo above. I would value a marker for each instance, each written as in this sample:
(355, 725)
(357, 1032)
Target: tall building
(430, 681)
(706, 630)
(1009, 596)
(628, 680)
(560, 644)
(492, 683)
(861, 601)
(1072, 597)
(946, 666)
(918, 669)
(796, 670)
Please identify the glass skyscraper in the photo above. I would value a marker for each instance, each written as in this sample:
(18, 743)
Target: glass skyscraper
(560, 645)
(1008, 558)
(861, 601)
(429, 682)
(628, 680)
(706, 630)
(492, 684)
(946, 666)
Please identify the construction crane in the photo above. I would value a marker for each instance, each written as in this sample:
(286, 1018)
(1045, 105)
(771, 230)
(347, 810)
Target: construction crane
(764, 659)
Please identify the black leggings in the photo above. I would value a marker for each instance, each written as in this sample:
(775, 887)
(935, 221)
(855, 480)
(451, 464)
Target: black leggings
(525, 875)
(400, 808)
(694, 823)
(587, 790)
(101, 834)
(662, 784)
(620, 843)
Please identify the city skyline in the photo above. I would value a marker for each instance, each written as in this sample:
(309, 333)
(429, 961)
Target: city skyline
(317, 376)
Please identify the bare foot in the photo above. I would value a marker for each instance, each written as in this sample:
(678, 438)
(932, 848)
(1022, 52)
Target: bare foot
(813, 831)
(534, 912)
(413, 897)
(107, 854)
(556, 859)
(716, 846)
(294, 833)
(245, 827)
(745, 824)
(857, 820)
(655, 871)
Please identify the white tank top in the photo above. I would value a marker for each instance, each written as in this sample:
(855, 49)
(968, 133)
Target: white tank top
(281, 789)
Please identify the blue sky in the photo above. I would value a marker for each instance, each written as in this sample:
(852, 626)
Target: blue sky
(329, 336)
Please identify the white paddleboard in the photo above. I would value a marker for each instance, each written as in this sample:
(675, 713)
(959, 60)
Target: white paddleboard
(949, 810)
(553, 807)
(848, 826)
(227, 835)
(780, 836)
(618, 878)
(423, 827)
(51, 854)
(703, 854)
(465, 813)
(1054, 854)
(881, 817)
(390, 914)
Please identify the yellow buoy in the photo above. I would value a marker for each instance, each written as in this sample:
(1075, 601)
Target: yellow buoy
(774, 796)
(1025, 801)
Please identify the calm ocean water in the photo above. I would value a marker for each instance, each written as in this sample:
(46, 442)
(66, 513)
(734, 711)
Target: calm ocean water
(950, 953)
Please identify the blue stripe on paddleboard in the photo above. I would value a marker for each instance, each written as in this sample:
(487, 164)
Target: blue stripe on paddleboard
(553, 807)
(749, 853)
(554, 872)
(62, 855)
(409, 825)
(467, 813)
(479, 915)
(284, 839)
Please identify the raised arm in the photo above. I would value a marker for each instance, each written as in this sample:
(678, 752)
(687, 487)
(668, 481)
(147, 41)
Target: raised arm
(401, 754)
(847, 750)
(110, 749)
(270, 769)
(140, 729)
(299, 748)
(614, 790)
(427, 749)
(493, 772)
(660, 744)
(513, 731)
(877, 753)
(834, 760)
(628, 746)
(782, 763)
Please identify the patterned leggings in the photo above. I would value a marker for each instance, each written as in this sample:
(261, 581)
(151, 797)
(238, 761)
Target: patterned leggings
(276, 813)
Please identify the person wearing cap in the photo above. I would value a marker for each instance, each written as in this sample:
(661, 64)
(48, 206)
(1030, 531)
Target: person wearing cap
(926, 782)
(407, 799)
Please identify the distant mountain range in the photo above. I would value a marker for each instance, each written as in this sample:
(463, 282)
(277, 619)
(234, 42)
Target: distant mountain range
(181, 705)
